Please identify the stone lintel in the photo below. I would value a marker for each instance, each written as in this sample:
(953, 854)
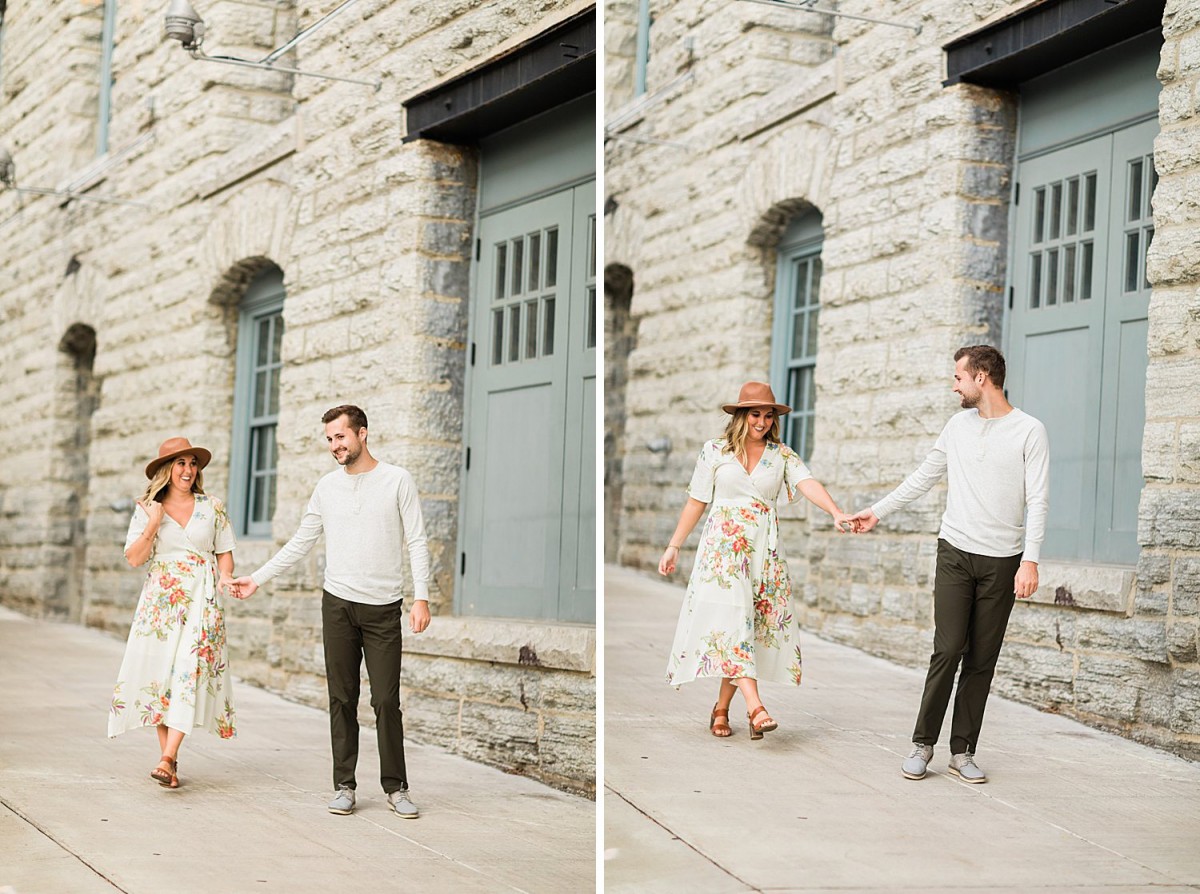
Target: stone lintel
(539, 644)
(1106, 588)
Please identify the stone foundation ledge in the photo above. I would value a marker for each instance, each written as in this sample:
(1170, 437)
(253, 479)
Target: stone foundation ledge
(541, 644)
(1106, 588)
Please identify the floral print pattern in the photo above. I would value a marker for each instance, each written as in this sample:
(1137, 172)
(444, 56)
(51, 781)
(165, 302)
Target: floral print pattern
(737, 619)
(175, 657)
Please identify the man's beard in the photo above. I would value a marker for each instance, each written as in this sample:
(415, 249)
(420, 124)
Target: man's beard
(349, 457)
(969, 403)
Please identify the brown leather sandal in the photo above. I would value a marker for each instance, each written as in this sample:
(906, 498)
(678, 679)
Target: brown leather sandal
(756, 732)
(720, 728)
(168, 777)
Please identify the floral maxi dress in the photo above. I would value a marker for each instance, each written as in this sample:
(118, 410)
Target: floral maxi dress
(174, 671)
(737, 618)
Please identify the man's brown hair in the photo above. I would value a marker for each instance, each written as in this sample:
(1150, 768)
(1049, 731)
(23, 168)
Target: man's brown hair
(983, 359)
(354, 415)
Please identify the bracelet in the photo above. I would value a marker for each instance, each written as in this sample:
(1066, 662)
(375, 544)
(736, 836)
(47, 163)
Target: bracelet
(672, 546)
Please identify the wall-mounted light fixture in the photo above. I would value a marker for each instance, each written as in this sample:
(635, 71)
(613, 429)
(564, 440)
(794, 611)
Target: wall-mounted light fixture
(8, 180)
(185, 25)
(811, 6)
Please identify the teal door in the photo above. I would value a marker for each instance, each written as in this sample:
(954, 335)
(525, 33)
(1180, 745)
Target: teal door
(1076, 334)
(529, 514)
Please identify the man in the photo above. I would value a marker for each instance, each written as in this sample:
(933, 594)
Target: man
(364, 509)
(998, 462)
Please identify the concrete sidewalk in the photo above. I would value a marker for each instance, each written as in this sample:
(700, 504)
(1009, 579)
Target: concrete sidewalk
(79, 814)
(820, 805)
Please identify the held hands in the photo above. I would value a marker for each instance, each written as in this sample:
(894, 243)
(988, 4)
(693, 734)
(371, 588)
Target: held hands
(418, 617)
(1025, 584)
(862, 521)
(225, 584)
(242, 587)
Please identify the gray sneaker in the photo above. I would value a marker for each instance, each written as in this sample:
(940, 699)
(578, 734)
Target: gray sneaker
(963, 766)
(343, 801)
(917, 763)
(402, 804)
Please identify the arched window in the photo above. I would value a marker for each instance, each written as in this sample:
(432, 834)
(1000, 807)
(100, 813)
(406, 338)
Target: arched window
(794, 336)
(252, 462)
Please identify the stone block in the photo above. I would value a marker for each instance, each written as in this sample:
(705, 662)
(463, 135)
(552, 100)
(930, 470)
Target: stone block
(1105, 588)
(1182, 642)
(1036, 675)
(1185, 710)
(1145, 639)
(1108, 687)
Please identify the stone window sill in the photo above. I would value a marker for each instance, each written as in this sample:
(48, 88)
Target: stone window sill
(1105, 588)
(541, 644)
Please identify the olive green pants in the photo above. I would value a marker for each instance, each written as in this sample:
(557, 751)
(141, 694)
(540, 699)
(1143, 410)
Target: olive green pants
(973, 597)
(352, 631)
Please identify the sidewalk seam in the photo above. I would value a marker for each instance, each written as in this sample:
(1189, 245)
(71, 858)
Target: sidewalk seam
(684, 841)
(66, 849)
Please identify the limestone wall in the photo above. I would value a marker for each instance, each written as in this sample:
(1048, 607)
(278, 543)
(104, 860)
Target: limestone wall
(242, 169)
(788, 111)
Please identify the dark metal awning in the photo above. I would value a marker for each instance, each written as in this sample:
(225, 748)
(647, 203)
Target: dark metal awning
(552, 67)
(1045, 36)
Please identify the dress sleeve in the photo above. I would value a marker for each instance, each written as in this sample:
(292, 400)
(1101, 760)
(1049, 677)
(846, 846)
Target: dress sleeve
(703, 478)
(137, 525)
(794, 471)
(223, 538)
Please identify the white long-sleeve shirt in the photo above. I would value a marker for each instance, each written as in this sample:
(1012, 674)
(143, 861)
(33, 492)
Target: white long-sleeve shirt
(364, 517)
(999, 475)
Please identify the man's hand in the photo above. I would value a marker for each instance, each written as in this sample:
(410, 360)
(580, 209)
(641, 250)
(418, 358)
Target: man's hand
(244, 587)
(863, 521)
(1026, 582)
(418, 618)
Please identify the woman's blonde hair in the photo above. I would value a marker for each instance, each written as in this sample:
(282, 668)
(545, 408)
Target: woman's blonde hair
(162, 478)
(737, 431)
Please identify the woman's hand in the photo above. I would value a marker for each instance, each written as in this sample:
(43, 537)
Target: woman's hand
(154, 509)
(225, 584)
(844, 523)
(666, 564)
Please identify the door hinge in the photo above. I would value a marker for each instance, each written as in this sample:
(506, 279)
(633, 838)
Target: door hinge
(478, 248)
(472, 353)
(468, 457)
(1017, 194)
(462, 569)
(1010, 297)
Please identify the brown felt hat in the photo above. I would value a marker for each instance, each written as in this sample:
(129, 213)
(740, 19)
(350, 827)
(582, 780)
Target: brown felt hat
(757, 394)
(173, 447)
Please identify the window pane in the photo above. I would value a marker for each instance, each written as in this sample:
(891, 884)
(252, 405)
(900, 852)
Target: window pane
(591, 263)
(262, 333)
(1072, 206)
(1068, 292)
(811, 347)
(798, 341)
(1149, 212)
(531, 315)
(1085, 271)
(262, 390)
(1089, 203)
(264, 454)
(1035, 280)
(501, 269)
(1135, 190)
(1052, 277)
(277, 345)
(810, 437)
(270, 501)
(1149, 231)
(589, 338)
(1132, 241)
(514, 333)
(814, 292)
(1056, 192)
(551, 258)
(258, 503)
(535, 261)
(548, 326)
(497, 337)
(1039, 214)
(273, 393)
(518, 264)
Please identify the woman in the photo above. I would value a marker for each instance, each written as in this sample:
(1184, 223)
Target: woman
(737, 621)
(174, 676)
